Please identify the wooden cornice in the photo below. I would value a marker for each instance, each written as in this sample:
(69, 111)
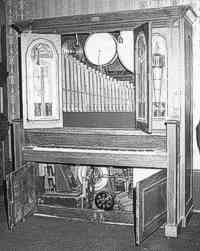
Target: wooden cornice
(103, 21)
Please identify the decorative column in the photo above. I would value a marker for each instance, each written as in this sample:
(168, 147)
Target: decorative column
(14, 13)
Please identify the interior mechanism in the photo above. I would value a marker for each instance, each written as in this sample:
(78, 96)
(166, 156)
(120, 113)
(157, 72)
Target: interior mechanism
(104, 200)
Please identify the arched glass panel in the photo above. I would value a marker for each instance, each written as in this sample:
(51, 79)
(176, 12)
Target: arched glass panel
(42, 81)
(141, 76)
(159, 69)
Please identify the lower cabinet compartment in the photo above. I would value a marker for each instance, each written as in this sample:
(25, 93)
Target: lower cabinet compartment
(102, 194)
(133, 197)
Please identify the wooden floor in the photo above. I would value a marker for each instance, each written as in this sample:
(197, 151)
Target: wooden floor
(50, 234)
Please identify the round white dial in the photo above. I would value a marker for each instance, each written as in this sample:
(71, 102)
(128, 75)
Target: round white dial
(100, 48)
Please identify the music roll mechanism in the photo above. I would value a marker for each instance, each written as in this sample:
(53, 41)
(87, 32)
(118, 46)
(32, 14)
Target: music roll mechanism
(89, 187)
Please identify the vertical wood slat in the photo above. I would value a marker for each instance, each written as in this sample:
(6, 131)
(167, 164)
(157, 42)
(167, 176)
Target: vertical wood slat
(173, 149)
(196, 189)
(18, 142)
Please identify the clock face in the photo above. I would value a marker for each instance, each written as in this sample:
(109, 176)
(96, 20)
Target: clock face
(125, 50)
(100, 48)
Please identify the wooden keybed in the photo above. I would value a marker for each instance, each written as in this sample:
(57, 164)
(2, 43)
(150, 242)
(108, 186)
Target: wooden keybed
(81, 156)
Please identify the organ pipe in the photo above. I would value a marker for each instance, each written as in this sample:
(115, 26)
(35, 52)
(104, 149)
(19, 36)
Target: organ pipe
(89, 90)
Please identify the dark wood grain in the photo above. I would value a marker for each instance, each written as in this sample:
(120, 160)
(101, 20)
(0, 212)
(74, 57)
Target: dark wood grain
(87, 214)
(18, 143)
(151, 206)
(173, 132)
(196, 189)
(102, 158)
(124, 120)
(94, 139)
(98, 22)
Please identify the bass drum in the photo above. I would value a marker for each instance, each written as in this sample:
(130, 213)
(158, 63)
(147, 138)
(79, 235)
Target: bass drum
(100, 49)
(125, 50)
(101, 176)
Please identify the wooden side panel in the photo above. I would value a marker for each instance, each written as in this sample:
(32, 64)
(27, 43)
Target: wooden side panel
(21, 194)
(196, 189)
(188, 115)
(151, 205)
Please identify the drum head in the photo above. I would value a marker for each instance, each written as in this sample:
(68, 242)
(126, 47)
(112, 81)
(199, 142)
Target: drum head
(100, 48)
(125, 50)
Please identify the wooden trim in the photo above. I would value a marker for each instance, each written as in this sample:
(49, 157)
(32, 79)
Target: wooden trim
(196, 189)
(95, 140)
(97, 157)
(82, 214)
(182, 116)
(102, 22)
(171, 229)
(90, 130)
(18, 143)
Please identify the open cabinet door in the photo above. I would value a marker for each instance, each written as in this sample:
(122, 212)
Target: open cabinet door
(41, 80)
(21, 193)
(151, 204)
(143, 76)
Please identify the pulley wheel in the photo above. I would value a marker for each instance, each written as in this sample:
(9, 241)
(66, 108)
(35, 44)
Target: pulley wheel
(104, 200)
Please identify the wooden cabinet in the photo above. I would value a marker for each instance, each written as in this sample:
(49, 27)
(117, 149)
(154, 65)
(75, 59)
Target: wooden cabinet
(114, 111)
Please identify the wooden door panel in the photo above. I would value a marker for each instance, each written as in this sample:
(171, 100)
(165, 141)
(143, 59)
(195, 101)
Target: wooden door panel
(151, 204)
(21, 193)
(143, 76)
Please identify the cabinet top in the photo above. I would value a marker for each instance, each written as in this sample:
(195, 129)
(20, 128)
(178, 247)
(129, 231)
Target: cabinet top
(106, 21)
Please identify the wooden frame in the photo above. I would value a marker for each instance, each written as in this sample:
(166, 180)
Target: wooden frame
(174, 157)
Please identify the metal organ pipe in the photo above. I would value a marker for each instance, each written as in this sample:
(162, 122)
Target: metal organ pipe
(88, 90)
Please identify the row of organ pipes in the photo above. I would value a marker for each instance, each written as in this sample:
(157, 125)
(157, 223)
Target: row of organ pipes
(89, 90)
